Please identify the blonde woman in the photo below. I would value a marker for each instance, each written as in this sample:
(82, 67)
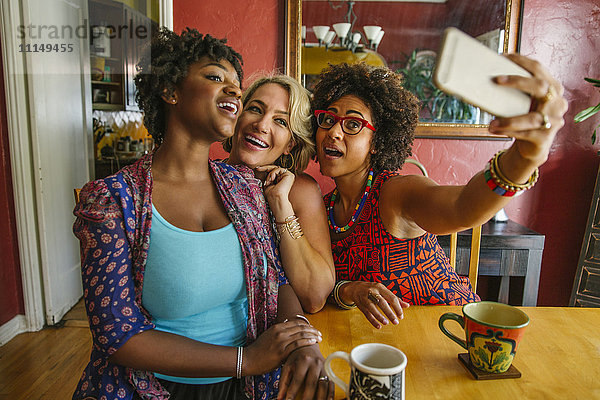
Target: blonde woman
(273, 137)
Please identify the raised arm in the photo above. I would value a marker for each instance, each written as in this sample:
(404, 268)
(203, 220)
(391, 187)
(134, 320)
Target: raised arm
(307, 260)
(424, 205)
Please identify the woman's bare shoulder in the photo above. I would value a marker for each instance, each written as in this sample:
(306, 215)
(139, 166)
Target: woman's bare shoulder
(306, 182)
(399, 184)
(306, 192)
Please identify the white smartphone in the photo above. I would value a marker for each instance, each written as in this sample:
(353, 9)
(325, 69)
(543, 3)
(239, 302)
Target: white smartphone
(465, 68)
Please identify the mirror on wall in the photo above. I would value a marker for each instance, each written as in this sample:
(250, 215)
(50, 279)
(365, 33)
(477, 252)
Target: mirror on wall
(405, 36)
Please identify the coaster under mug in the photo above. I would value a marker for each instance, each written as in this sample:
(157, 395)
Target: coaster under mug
(493, 332)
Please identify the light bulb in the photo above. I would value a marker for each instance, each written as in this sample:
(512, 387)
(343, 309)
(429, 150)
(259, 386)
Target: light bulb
(379, 37)
(371, 31)
(341, 29)
(320, 31)
(329, 38)
(356, 37)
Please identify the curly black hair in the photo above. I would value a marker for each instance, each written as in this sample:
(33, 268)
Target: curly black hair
(165, 63)
(394, 109)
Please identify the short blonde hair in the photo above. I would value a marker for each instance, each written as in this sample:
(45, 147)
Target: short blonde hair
(300, 120)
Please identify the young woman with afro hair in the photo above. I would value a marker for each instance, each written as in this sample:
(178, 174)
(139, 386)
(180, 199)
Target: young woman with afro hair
(383, 225)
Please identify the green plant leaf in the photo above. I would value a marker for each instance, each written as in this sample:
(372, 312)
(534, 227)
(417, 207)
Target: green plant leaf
(596, 82)
(588, 112)
(435, 104)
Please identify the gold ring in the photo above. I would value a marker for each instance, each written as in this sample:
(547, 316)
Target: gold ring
(546, 124)
(324, 378)
(549, 94)
(373, 297)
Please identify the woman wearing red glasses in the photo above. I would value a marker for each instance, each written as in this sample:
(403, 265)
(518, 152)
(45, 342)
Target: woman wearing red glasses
(383, 225)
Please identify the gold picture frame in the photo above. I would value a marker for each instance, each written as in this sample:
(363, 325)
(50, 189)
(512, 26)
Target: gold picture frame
(512, 33)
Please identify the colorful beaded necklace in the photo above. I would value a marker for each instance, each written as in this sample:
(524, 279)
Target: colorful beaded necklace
(357, 209)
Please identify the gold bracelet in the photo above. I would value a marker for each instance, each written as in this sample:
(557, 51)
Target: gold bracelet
(338, 299)
(291, 225)
(501, 180)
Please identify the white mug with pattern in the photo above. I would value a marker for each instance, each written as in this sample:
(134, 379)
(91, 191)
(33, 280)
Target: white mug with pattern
(377, 372)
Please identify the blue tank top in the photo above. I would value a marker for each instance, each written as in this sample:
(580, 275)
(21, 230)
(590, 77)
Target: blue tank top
(194, 286)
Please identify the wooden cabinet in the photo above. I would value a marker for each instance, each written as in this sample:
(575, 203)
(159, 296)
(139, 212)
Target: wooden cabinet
(128, 31)
(509, 251)
(586, 287)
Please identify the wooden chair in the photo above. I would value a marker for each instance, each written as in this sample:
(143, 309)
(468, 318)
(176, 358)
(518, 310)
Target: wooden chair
(473, 257)
(418, 164)
(475, 241)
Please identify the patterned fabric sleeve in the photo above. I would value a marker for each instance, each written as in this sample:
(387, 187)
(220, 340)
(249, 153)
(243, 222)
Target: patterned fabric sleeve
(108, 284)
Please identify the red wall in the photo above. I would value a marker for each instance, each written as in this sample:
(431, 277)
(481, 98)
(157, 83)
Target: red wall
(252, 28)
(11, 293)
(563, 35)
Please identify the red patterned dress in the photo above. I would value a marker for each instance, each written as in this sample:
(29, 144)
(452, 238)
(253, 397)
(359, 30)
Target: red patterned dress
(416, 270)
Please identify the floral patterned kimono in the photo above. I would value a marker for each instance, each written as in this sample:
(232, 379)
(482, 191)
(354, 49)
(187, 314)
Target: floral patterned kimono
(114, 216)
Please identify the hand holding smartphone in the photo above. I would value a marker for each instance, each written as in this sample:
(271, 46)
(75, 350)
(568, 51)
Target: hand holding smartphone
(465, 68)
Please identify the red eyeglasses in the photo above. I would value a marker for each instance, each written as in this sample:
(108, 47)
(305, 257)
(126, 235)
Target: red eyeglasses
(350, 125)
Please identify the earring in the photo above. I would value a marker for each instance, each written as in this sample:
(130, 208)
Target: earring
(291, 159)
(373, 151)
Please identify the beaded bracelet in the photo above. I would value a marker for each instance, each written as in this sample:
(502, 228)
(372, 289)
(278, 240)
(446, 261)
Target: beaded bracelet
(489, 180)
(503, 186)
(507, 182)
(338, 299)
(292, 226)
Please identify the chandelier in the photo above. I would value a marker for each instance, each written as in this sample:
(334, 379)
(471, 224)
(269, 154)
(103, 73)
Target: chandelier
(348, 38)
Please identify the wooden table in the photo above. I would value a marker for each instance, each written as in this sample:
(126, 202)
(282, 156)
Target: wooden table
(555, 363)
(508, 250)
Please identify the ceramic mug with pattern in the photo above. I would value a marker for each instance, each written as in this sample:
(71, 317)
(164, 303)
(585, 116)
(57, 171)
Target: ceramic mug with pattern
(493, 332)
(377, 372)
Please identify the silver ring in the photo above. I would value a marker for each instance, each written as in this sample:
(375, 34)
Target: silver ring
(324, 378)
(546, 124)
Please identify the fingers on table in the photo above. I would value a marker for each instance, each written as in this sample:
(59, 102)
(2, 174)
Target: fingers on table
(381, 306)
(307, 376)
(325, 388)
(308, 380)
(284, 381)
(296, 381)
